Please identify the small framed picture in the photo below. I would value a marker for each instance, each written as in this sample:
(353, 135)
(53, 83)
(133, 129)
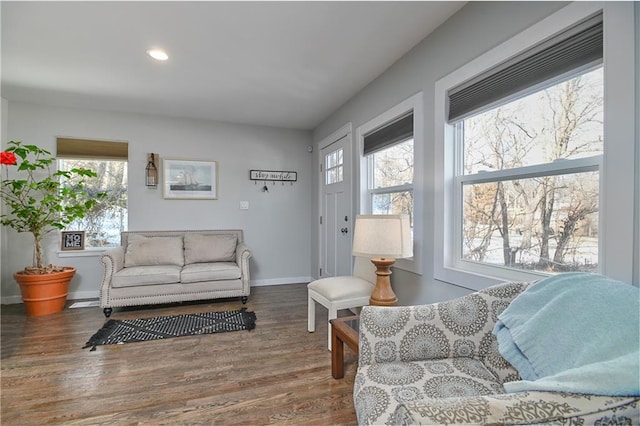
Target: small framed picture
(72, 240)
(190, 179)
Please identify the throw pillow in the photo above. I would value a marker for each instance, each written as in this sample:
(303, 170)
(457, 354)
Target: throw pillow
(202, 248)
(147, 251)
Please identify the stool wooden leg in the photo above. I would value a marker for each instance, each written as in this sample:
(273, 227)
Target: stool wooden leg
(337, 357)
(333, 313)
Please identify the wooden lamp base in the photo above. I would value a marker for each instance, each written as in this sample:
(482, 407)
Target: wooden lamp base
(383, 294)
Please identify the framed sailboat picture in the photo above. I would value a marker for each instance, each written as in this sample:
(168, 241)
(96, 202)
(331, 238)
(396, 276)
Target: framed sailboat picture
(190, 179)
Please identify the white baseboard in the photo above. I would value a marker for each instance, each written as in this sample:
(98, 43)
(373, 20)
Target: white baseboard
(280, 281)
(10, 300)
(95, 294)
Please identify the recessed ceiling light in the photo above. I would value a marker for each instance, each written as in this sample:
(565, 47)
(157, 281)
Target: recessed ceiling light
(158, 54)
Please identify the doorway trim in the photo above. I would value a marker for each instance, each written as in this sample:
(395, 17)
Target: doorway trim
(344, 131)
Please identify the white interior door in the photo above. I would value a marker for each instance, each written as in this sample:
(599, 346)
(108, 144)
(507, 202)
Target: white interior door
(335, 214)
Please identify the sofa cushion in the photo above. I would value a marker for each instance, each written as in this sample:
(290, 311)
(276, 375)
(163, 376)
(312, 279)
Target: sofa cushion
(520, 408)
(380, 387)
(202, 248)
(146, 251)
(146, 275)
(215, 271)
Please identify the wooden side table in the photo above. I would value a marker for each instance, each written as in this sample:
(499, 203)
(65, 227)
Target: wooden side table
(343, 330)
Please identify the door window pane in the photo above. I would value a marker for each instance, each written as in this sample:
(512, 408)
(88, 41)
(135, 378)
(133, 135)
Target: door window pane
(334, 167)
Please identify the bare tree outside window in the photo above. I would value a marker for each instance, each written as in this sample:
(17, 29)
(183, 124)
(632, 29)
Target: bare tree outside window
(538, 215)
(392, 186)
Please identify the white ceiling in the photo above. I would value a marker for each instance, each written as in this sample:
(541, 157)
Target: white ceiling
(284, 64)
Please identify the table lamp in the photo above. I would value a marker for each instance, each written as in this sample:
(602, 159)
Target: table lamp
(383, 238)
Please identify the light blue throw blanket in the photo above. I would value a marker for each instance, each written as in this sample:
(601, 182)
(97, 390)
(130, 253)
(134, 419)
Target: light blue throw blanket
(573, 332)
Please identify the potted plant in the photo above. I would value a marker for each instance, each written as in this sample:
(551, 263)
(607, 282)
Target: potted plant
(39, 200)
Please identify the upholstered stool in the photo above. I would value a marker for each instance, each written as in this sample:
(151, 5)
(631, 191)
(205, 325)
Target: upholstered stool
(342, 292)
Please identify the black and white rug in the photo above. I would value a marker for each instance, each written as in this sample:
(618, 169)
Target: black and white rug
(163, 327)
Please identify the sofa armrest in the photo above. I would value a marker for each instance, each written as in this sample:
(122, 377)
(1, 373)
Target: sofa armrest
(243, 254)
(113, 261)
(519, 408)
(456, 328)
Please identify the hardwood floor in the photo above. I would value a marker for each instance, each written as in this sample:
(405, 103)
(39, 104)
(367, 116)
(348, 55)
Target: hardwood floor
(277, 373)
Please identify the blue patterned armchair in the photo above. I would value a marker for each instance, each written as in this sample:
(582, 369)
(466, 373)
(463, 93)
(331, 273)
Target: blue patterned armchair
(440, 364)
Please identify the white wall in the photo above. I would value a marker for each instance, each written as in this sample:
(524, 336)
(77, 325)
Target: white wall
(276, 226)
(475, 29)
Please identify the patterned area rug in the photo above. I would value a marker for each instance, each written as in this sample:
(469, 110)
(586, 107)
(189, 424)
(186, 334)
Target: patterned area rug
(163, 327)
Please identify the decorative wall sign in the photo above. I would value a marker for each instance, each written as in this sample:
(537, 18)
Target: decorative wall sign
(72, 240)
(273, 175)
(190, 179)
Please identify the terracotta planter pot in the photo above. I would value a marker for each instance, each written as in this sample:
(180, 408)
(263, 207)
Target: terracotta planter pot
(44, 294)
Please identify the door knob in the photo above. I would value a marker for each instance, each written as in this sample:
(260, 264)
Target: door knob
(344, 230)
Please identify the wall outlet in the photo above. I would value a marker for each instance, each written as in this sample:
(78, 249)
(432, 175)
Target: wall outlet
(244, 205)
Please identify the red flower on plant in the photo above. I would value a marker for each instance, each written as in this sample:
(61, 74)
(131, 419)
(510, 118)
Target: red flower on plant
(8, 158)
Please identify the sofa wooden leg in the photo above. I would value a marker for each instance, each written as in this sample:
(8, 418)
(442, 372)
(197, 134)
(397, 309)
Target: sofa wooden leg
(244, 299)
(107, 312)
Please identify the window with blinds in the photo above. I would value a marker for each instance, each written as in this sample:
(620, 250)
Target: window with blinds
(390, 163)
(109, 159)
(529, 141)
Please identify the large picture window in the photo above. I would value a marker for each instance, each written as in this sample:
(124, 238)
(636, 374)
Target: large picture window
(531, 138)
(529, 181)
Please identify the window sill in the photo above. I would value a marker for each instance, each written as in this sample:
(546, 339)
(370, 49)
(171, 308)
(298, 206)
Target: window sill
(408, 265)
(88, 252)
(478, 277)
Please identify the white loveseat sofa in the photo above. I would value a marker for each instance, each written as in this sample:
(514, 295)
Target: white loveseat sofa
(152, 267)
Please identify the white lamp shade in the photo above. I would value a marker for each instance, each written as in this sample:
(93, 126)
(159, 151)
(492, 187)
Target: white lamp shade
(384, 236)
